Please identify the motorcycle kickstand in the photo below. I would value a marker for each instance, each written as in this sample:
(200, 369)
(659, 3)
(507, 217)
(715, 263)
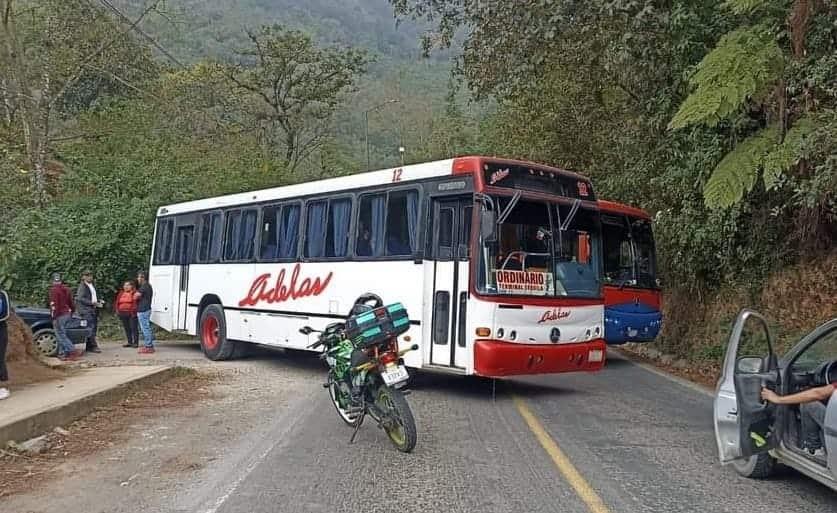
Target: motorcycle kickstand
(357, 426)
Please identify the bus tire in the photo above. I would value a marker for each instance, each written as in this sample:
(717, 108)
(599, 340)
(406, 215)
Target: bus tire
(213, 331)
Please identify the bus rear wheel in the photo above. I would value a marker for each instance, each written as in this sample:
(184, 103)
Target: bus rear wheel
(213, 332)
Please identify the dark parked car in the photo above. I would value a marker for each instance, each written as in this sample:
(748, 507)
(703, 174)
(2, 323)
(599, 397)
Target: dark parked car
(40, 322)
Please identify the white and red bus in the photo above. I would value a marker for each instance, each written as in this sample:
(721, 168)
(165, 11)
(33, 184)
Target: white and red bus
(498, 263)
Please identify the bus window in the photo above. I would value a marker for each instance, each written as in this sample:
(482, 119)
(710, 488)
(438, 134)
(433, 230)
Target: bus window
(240, 237)
(247, 239)
(370, 228)
(337, 233)
(209, 246)
(280, 232)
(231, 237)
(165, 240)
(315, 229)
(402, 219)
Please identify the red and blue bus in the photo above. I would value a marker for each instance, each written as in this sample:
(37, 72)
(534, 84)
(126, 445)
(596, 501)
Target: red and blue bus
(631, 287)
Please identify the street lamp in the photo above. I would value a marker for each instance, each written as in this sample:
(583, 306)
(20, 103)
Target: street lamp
(366, 122)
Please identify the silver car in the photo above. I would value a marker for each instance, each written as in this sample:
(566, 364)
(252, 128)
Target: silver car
(753, 435)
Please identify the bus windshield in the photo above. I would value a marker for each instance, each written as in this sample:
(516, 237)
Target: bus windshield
(542, 249)
(629, 253)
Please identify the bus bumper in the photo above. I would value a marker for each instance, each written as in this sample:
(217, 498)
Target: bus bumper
(623, 326)
(495, 358)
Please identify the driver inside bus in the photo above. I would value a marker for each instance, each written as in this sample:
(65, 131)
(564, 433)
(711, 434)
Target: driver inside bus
(812, 406)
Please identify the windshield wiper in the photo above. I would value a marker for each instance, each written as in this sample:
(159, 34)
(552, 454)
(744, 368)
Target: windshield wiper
(507, 211)
(571, 215)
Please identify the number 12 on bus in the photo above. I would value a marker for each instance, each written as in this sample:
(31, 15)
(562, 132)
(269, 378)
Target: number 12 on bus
(498, 262)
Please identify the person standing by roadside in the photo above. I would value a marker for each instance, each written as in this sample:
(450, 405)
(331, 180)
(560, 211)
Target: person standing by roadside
(144, 295)
(5, 311)
(88, 304)
(61, 306)
(126, 309)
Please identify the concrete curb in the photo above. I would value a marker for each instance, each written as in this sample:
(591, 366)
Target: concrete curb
(44, 421)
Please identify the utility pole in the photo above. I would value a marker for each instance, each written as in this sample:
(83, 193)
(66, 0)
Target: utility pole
(366, 124)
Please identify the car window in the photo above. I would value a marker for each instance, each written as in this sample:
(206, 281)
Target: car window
(824, 349)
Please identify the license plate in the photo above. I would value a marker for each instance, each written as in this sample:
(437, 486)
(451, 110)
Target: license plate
(395, 375)
(632, 333)
(83, 324)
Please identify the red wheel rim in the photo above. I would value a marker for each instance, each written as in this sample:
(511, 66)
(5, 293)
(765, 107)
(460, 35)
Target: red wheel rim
(209, 332)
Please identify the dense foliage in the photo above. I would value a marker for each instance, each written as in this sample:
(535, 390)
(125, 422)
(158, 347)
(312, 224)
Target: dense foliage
(717, 116)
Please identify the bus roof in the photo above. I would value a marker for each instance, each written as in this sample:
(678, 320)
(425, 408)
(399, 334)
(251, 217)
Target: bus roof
(620, 208)
(396, 175)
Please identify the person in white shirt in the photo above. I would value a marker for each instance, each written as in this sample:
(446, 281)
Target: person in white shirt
(87, 306)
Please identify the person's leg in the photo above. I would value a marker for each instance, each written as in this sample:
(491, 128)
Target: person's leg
(145, 325)
(4, 341)
(65, 345)
(813, 418)
(93, 325)
(125, 319)
(134, 330)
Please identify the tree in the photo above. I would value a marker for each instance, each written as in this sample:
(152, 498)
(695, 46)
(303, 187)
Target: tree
(746, 83)
(294, 88)
(46, 55)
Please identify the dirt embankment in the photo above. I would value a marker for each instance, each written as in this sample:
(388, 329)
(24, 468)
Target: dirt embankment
(795, 300)
(24, 365)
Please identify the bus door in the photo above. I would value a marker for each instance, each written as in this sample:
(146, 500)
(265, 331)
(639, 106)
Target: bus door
(451, 235)
(180, 279)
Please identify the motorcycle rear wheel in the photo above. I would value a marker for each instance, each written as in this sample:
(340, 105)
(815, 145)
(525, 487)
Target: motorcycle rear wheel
(350, 419)
(398, 421)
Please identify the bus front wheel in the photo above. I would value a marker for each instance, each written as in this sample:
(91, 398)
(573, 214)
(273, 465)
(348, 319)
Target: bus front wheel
(213, 333)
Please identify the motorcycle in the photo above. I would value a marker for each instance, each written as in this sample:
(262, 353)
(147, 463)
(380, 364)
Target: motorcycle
(363, 354)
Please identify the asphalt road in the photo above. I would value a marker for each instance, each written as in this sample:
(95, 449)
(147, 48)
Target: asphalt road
(626, 440)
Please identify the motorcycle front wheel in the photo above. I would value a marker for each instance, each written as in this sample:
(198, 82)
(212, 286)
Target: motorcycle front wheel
(397, 418)
(336, 398)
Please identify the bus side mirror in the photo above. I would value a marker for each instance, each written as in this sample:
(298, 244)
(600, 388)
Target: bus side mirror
(488, 225)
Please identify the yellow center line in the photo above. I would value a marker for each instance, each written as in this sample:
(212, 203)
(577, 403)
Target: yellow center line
(567, 469)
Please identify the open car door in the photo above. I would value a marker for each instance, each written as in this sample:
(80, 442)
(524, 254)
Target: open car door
(744, 424)
(829, 429)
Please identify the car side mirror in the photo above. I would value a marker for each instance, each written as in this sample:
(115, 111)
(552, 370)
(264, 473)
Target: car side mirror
(749, 365)
(307, 330)
(488, 225)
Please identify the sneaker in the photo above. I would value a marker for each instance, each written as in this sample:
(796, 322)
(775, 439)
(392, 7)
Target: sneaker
(4, 393)
(818, 453)
(146, 350)
(128, 345)
(71, 357)
(94, 349)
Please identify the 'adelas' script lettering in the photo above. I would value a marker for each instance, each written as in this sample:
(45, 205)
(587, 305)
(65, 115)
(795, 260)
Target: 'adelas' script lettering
(263, 290)
(556, 314)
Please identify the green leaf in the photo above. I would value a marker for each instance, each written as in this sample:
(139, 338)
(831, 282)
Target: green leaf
(737, 172)
(785, 155)
(744, 65)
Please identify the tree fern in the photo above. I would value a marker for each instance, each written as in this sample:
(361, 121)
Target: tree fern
(785, 155)
(744, 65)
(737, 172)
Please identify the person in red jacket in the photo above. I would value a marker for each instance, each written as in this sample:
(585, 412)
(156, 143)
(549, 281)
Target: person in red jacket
(126, 308)
(61, 306)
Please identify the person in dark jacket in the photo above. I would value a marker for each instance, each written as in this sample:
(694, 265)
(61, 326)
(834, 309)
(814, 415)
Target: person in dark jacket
(5, 311)
(88, 304)
(145, 295)
(61, 307)
(126, 309)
